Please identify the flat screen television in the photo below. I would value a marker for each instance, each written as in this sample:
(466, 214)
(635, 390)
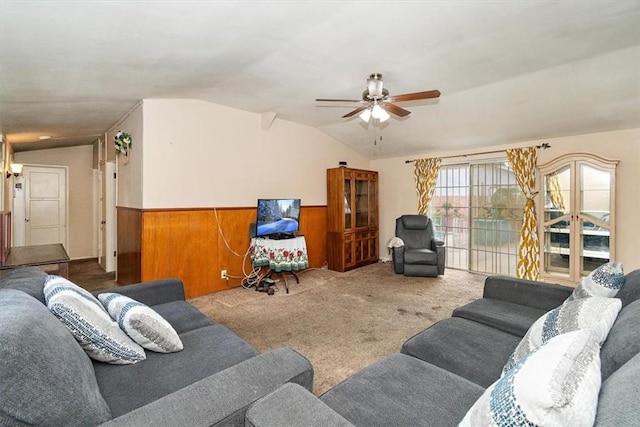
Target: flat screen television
(278, 218)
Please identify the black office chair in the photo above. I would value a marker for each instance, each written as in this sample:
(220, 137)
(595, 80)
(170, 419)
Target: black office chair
(419, 254)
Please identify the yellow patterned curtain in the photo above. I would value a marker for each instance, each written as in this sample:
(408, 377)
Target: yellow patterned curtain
(555, 191)
(523, 161)
(426, 173)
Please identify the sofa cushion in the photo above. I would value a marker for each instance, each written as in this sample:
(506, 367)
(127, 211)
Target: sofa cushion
(292, 405)
(141, 323)
(630, 291)
(400, 390)
(623, 342)
(89, 323)
(455, 343)
(596, 314)
(27, 279)
(206, 351)
(604, 281)
(556, 385)
(618, 400)
(47, 379)
(182, 316)
(503, 315)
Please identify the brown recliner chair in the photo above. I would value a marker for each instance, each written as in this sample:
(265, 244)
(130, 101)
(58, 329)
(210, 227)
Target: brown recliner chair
(421, 255)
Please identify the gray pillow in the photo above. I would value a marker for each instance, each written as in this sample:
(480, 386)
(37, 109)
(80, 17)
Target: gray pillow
(27, 279)
(46, 377)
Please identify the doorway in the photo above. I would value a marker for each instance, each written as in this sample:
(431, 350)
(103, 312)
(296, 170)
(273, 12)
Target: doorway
(41, 197)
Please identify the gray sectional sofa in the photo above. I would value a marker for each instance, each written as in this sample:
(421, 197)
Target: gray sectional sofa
(441, 372)
(47, 379)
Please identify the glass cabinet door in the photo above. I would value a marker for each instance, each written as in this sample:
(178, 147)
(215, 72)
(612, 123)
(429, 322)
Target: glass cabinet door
(557, 221)
(576, 216)
(347, 203)
(362, 203)
(594, 217)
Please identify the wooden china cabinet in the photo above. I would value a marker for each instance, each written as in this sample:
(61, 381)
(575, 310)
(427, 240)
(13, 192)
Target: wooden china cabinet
(352, 218)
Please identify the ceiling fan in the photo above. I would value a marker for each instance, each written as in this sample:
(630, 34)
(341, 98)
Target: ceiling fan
(377, 104)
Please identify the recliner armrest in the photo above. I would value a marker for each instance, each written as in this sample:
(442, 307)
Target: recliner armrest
(223, 398)
(398, 259)
(545, 296)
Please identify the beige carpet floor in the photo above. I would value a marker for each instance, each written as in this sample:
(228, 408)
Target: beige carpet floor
(341, 322)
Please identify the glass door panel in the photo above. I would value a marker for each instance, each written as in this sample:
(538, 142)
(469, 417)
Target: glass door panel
(362, 203)
(595, 190)
(347, 204)
(557, 221)
(373, 200)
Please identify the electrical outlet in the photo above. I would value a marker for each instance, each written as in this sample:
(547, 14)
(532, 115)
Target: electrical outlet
(223, 274)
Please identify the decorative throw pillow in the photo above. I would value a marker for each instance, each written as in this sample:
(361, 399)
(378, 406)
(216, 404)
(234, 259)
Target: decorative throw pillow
(556, 385)
(90, 324)
(596, 314)
(604, 281)
(142, 323)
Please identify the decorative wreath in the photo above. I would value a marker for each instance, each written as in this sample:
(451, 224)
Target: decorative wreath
(122, 142)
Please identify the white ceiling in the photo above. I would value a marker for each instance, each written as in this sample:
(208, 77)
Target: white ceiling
(509, 71)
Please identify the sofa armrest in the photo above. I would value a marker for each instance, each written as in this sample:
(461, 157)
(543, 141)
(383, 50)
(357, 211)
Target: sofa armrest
(545, 296)
(223, 398)
(153, 292)
(292, 406)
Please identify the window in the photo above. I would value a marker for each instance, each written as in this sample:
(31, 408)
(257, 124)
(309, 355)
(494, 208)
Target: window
(477, 210)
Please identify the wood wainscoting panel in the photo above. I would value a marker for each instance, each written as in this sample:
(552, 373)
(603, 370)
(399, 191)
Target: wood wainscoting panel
(195, 245)
(181, 244)
(313, 225)
(129, 241)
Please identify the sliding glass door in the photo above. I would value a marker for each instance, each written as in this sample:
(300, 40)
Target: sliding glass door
(477, 210)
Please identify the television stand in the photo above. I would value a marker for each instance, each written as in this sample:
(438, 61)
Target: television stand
(282, 236)
(280, 256)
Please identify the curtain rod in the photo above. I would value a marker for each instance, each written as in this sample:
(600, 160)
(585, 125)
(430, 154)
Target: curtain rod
(543, 146)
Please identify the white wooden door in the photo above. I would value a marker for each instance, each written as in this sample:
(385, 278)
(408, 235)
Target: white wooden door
(45, 205)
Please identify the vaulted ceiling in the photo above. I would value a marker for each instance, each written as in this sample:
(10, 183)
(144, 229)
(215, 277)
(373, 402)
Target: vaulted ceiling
(508, 71)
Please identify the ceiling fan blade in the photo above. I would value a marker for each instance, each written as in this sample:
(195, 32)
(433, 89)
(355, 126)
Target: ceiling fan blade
(338, 100)
(356, 111)
(394, 109)
(429, 94)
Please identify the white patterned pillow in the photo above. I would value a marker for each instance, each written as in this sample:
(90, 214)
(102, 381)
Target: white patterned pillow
(90, 324)
(596, 314)
(142, 323)
(604, 281)
(556, 385)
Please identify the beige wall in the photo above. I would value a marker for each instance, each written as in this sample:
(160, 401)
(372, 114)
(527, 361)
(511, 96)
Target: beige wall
(129, 192)
(198, 154)
(398, 195)
(81, 227)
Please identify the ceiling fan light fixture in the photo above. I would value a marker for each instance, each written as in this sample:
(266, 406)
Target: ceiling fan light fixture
(377, 112)
(366, 115)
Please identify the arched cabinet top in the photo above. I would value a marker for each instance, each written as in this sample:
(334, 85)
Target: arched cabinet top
(573, 157)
